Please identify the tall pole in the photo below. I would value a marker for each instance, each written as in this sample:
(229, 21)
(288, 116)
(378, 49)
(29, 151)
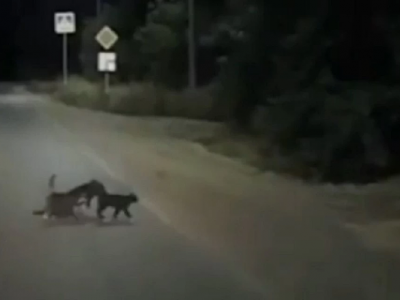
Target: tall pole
(98, 7)
(65, 58)
(191, 45)
(107, 83)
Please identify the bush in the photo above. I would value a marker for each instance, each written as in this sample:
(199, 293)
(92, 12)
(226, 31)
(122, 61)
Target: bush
(46, 87)
(133, 99)
(346, 134)
(81, 93)
(149, 99)
(143, 99)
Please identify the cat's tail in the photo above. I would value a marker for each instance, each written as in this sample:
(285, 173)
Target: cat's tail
(52, 182)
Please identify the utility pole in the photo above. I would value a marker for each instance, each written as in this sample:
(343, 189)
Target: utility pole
(191, 45)
(98, 8)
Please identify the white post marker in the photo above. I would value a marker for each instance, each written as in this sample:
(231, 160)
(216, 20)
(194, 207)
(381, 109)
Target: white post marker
(65, 23)
(107, 63)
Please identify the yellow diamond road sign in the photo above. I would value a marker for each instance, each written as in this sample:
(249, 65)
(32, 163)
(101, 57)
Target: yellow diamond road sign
(106, 37)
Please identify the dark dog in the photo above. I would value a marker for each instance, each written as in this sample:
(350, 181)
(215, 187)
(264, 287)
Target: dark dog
(63, 204)
(118, 202)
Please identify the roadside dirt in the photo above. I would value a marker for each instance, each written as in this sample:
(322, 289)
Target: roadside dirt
(302, 241)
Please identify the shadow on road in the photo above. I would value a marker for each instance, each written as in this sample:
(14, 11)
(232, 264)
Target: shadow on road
(84, 220)
(115, 223)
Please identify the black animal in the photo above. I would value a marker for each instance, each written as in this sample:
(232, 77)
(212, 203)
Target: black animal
(118, 202)
(62, 204)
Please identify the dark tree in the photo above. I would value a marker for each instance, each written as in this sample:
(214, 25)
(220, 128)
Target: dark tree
(362, 50)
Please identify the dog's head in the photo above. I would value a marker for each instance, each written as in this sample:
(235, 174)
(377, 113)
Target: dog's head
(96, 187)
(133, 198)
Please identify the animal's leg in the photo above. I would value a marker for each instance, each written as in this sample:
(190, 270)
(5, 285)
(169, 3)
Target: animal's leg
(99, 212)
(50, 216)
(127, 213)
(88, 201)
(116, 212)
(75, 216)
(47, 207)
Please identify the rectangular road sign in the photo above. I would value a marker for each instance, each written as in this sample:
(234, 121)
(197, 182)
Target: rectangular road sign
(107, 62)
(64, 22)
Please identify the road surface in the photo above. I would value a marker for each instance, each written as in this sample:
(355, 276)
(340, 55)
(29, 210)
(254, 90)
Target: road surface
(47, 260)
(203, 230)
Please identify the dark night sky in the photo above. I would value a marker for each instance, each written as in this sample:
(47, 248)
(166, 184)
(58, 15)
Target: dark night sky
(28, 41)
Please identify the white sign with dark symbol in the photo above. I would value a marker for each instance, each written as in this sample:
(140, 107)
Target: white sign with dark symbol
(64, 22)
(107, 62)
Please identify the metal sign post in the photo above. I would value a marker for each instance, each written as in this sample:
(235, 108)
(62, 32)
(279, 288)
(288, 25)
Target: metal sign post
(191, 46)
(107, 83)
(64, 24)
(107, 63)
(98, 8)
(65, 58)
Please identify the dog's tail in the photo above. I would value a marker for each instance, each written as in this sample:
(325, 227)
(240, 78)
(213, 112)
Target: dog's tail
(52, 182)
(38, 212)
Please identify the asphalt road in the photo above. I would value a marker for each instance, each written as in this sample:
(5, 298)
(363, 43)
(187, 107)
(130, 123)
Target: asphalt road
(85, 260)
